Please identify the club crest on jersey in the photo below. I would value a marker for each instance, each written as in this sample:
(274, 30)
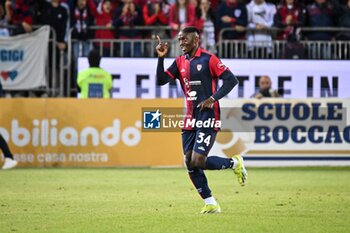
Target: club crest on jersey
(191, 95)
(199, 67)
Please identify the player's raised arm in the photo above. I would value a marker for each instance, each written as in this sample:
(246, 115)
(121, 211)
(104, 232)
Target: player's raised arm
(162, 50)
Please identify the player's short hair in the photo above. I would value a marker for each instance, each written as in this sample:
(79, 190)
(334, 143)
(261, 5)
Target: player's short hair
(190, 30)
(94, 58)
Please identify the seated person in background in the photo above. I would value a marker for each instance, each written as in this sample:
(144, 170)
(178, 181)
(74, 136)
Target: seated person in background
(289, 14)
(94, 82)
(265, 89)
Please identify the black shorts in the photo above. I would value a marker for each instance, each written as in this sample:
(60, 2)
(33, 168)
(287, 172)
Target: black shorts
(200, 140)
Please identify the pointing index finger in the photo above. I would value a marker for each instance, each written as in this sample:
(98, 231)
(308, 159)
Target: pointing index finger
(159, 40)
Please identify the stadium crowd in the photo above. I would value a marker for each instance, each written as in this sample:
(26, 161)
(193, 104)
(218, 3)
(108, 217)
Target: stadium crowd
(209, 16)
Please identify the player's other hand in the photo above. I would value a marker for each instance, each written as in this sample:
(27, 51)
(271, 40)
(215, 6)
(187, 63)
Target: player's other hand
(208, 103)
(162, 48)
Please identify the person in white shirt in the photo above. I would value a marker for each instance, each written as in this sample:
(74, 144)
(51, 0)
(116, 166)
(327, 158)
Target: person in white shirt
(260, 17)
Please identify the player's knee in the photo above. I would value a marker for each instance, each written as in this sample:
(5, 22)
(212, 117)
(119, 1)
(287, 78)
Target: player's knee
(198, 162)
(188, 159)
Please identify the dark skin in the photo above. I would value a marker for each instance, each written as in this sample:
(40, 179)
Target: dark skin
(189, 43)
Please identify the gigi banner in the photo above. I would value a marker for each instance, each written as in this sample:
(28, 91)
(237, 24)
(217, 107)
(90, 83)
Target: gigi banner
(111, 133)
(22, 60)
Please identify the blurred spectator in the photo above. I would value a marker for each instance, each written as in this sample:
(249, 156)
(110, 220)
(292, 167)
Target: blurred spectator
(293, 48)
(99, 3)
(214, 4)
(94, 82)
(260, 17)
(289, 14)
(103, 18)
(343, 12)
(206, 25)
(3, 33)
(1, 92)
(141, 3)
(232, 14)
(56, 16)
(182, 14)
(320, 14)
(129, 14)
(81, 20)
(265, 89)
(156, 12)
(3, 22)
(19, 15)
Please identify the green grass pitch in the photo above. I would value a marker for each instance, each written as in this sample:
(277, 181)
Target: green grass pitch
(163, 200)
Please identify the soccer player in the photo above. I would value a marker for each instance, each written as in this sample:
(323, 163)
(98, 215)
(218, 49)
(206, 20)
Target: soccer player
(9, 161)
(198, 72)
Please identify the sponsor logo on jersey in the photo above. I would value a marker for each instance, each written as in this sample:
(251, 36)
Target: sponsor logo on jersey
(196, 83)
(199, 67)
(201, 148)
(191, 95)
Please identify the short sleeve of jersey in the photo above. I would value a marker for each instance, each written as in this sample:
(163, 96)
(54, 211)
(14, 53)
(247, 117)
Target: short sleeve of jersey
(216, 66)
(173, 71)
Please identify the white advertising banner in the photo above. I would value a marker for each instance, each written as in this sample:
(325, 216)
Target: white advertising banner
(22, 60)
(136, 77)
(284, 132)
